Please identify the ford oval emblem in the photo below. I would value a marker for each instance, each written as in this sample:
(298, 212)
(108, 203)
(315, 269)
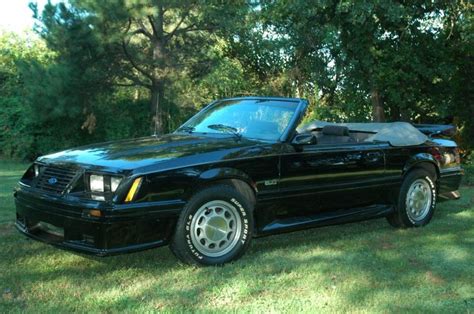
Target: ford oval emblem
(52, 180)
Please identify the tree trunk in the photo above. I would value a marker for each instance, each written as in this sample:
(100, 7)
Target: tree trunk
(394, 113)
(157, 86)
(378, 114)
(157, 95)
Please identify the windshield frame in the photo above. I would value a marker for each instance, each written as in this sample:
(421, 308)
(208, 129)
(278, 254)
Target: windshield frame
(287, 133)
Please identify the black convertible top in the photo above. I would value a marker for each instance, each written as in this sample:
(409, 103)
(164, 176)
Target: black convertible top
(396, 133)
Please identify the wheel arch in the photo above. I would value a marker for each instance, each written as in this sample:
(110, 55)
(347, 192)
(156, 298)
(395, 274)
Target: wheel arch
(422, 161)
(236, 178)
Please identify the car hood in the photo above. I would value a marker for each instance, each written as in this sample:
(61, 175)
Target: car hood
(149, 151)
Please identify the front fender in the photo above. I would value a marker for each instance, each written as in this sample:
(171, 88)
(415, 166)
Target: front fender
(180, 184)
(235, 177)
(226, 173)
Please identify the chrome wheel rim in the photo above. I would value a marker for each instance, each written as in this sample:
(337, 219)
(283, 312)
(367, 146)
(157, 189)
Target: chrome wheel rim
(216, 228)
(419, 200)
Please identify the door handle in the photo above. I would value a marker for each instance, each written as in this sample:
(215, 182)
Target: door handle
(373, 156)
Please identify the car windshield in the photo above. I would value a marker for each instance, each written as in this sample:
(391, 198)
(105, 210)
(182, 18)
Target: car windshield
(252, 118)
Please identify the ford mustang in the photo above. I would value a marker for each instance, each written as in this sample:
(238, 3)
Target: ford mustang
(239, 169)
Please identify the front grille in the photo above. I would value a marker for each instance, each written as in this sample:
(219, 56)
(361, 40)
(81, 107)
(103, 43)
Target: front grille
(55, 179)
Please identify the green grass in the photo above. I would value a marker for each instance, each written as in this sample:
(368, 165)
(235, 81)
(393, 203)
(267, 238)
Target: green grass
(361, 267)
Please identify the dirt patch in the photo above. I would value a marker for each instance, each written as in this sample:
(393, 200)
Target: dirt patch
(7, 295)
(385, 243)
(434, 279)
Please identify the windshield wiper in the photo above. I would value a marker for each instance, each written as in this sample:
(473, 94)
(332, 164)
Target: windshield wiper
(188, 129)
(227, 129)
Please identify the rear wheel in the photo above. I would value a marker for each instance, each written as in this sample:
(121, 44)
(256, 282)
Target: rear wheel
(214, 228)
(416, 200)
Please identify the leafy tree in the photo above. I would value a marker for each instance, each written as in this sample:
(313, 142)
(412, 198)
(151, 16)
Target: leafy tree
(458, 34)
(18, 125)
(65, 91)
(361, 60)
(162, 41)
(102, 70)
(226, 78)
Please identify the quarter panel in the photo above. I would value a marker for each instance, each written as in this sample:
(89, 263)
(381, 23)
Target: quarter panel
(400, 160)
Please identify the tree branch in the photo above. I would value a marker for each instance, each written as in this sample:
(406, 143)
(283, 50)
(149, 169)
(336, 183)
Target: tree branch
(193, 28)
(126, 85)
(136, 81)
(173, 32)
(127, 28)
(152, 24)
(134, 64)
(143, 29)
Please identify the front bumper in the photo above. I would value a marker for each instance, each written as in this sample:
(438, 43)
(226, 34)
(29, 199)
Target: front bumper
(123, 228)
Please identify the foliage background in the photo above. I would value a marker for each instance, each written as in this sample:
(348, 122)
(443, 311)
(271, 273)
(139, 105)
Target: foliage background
(96, 71)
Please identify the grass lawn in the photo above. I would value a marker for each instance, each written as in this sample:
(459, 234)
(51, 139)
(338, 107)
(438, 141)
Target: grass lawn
(362, 267)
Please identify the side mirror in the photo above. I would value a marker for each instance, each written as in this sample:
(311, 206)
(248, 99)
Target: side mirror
(304, 139)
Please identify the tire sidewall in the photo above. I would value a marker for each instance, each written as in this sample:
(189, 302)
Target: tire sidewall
(223, 193)
(415, 175)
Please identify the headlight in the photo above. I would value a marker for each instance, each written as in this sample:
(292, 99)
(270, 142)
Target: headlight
(101, 183)
(114, 183)
(37, 170)
(96, 183)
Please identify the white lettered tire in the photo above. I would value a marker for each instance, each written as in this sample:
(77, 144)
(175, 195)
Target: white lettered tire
(215, 227)
(416, 201)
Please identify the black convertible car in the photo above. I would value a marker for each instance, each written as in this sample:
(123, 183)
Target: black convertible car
(239, 169)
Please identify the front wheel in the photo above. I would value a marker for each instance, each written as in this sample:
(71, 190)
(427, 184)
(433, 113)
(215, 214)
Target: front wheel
(214, 228)
(416, 201)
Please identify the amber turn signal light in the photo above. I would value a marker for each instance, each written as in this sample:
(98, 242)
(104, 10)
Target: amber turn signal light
(91, 213)
(134, 189)
(95, 213)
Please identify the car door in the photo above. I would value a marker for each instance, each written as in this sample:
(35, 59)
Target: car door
(331, 176)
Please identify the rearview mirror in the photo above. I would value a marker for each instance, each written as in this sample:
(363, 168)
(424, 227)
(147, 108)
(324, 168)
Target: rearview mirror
(304, 139)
